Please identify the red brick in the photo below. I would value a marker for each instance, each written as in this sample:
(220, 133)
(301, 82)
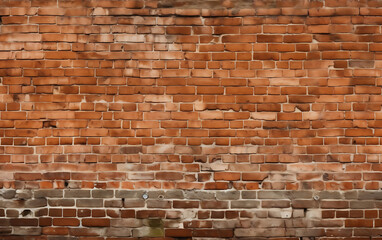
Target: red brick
(239, 38)
(169, 176)
(269, 38)
(216, 186)
(96, 222)
(178, 233)
(222, 233)
(28, 176)
(227, 176)
(15, 20)
(178, 30)
(66, 222)
(359, 223)
(254, 176)
(281, 47)
(186, 204)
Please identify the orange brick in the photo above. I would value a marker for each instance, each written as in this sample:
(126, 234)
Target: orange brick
(178, 30)
(227, 176)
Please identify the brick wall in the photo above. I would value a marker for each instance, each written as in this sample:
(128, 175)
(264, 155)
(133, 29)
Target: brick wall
(190, 119)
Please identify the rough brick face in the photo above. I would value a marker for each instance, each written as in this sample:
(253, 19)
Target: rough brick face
(190, 119)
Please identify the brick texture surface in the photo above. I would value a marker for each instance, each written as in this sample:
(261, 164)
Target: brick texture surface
(190, 119)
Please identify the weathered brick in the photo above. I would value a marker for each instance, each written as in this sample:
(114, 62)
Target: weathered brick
(249, 194)
(174, 194)
(89, 203)
(133, 203)
(362, 204)
(77, 193)
(369, 196)
(229, 195)
(273, 195)
(329, 195)
(238, 119)
(29, 231)
(310, 232)
(128, 194)
(259, 232)
(214, 204)
(126, 223)
(102, 193)
(305, 204)
(148, 232)
(48, 194)
(118, 232)
(275, 204)
(61, 202)
(130, 150)
(162, 204)
(35, 203)
(201, 195)
(113, 203)
(8, 194)
(245, 204)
